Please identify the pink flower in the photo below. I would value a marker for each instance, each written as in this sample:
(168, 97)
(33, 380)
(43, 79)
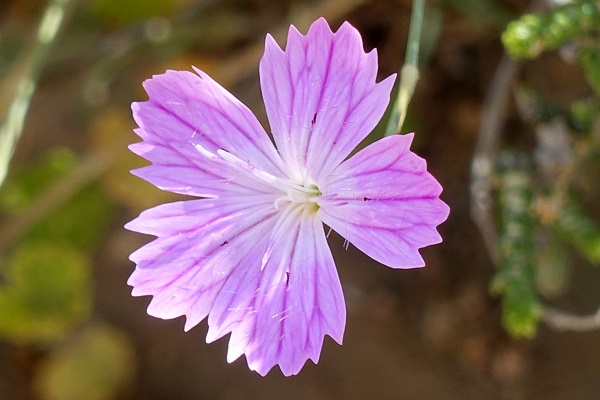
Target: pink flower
(251, 253)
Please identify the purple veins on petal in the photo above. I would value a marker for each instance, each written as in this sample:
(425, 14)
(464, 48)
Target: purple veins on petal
(186, 266)
(280, 315)
(327, 78)
(250, 254)
(185, 109)
(403, 207)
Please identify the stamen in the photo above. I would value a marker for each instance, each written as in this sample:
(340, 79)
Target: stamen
(292, 192)
(205, 152)
(246, 167)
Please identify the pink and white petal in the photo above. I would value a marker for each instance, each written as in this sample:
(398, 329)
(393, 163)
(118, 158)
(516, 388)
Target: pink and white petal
(383, 201)
(321, 97)
(185, 110)
(280, 314)
(199, 244)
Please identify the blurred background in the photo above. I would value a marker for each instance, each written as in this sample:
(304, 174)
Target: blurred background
(515, 145)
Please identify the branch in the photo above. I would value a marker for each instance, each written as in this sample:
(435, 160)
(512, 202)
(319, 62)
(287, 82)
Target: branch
(25, 75)
(482, 165)
(563, 321)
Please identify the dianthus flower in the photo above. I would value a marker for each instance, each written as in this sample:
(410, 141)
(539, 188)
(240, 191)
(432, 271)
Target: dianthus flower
(251, 252)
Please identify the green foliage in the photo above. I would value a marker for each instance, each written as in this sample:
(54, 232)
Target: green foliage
(33, 179)
(97, 366)
(81, 221)
(575, 227)
(48, 290)
(532, 34)
(523, 38)
(515, 279)
(565, 145)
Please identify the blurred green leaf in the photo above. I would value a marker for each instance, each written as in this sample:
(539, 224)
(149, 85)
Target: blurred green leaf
(30, 181)
(81, 221)
(524, 38)
(99, 365)
(515, 279)
(532, 34)
(48, 290)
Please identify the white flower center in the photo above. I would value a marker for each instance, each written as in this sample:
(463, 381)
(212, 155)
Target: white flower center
(295, 194)
(298, 194)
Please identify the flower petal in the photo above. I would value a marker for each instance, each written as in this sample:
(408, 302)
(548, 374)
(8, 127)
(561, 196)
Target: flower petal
(280, 313)
(185, 110)
(199, 244)
(385, 202)
(321, 97)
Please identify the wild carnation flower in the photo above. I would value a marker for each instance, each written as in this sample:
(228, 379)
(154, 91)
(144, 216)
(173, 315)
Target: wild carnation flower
(251, 253)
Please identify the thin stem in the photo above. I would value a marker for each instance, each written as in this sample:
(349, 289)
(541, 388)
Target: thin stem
(563, 321)
(409, 74)
(29, 70)
(414, 33)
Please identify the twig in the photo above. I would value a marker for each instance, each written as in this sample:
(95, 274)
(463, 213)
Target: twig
(26, 74)
(492, 119)
(409, 74)
(564, 321)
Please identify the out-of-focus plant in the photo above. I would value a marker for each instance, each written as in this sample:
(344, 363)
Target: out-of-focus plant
(541, 194)
(55, 217)
(48, 288)
(99, 364)
(576, 22)
(23, 82)
(47, 292)
(515, 280)
(64, 224)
